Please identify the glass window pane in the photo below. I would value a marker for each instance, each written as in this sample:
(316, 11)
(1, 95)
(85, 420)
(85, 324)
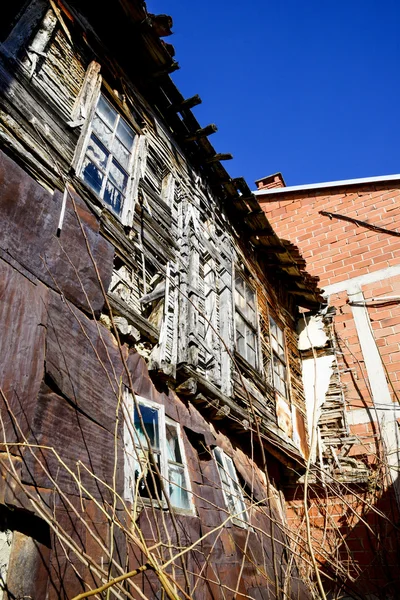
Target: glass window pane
(97, 152)
(251, 338)
(178, 493)
(92, 175)
(149, 485)
(150, 420)
(250, 296)
(114, 197)
(239, 284)
(251, 314)
(103, 132)
(106, 111)
(240, 301)
(173, 449)
(272, 326)
(125, 134)
(118, 177)
(251, 356)
(121, 153)
(240, 325)
(240, 343)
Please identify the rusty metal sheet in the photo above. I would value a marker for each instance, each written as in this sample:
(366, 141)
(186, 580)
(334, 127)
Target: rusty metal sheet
(28, 232)
(74, 436)
(83, 361)
(283, 415)
(23, 319)
(299, 426)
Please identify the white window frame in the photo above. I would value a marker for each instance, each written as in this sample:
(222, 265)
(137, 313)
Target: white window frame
(280, 356)
(131, 454)
(136, 165)
(248, 324)
(234, 498)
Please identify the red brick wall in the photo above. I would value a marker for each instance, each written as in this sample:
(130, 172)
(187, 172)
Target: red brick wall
(337, 251)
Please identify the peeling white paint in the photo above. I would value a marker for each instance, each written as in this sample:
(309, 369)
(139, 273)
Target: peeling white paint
(316, 377)
(312, 335)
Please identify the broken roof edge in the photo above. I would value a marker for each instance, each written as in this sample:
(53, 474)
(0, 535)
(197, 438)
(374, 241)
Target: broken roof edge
(325, 184)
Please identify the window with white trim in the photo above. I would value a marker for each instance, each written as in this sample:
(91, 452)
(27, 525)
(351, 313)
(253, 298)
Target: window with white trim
(246, 325)
(109, 154)
(231, 489)
(279, 368)
(141, 479)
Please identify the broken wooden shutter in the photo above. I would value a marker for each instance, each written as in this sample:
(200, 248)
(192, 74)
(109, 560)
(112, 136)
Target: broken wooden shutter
(137, 175)
(164, 357)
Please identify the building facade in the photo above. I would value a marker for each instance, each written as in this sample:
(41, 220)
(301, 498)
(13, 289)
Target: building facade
(152, 398)
(348, 233)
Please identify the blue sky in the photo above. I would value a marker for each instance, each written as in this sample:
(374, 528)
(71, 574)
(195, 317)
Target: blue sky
(309, 88)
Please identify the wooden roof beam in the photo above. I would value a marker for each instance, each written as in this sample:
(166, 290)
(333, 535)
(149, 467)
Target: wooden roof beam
(218, 157)
(204, 132)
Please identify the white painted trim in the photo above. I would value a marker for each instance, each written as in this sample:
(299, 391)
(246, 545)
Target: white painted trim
(387, 416)
(327, 184)
(373, 277)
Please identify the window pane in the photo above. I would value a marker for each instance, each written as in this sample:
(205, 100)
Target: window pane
(272, 326)
(178, 493)
(240, 301)
(251, 314)
(251, 357)
(103, 132)
(231, 487)
(274, 345)
(173, 449)
(149, 484)
(125, 134)
(106, 111)
(97, 152)
(240, 335)
(118, 177)
(250, 296)
(239, 284)
(113, 197)
(92, 175)
(121, 153)
(150, 420)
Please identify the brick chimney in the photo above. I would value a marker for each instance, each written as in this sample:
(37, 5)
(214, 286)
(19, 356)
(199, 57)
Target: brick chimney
(271, 181)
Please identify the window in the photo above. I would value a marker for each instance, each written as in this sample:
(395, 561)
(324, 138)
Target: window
(279, 371)
(167, 448)
(108, 160)
(231, 489)
(246, 321)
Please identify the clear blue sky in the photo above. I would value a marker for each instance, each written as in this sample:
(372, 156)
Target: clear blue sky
(310, 88)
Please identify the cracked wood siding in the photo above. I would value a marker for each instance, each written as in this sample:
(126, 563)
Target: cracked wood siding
(60, 72)
(41, 75)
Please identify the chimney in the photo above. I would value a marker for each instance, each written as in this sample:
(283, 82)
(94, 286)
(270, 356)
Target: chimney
(271, 181)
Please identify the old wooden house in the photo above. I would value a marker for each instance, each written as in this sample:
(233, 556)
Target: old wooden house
(151, 397)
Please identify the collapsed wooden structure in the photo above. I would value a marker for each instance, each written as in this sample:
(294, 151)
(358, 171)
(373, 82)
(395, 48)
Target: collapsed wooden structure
(152, 401)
